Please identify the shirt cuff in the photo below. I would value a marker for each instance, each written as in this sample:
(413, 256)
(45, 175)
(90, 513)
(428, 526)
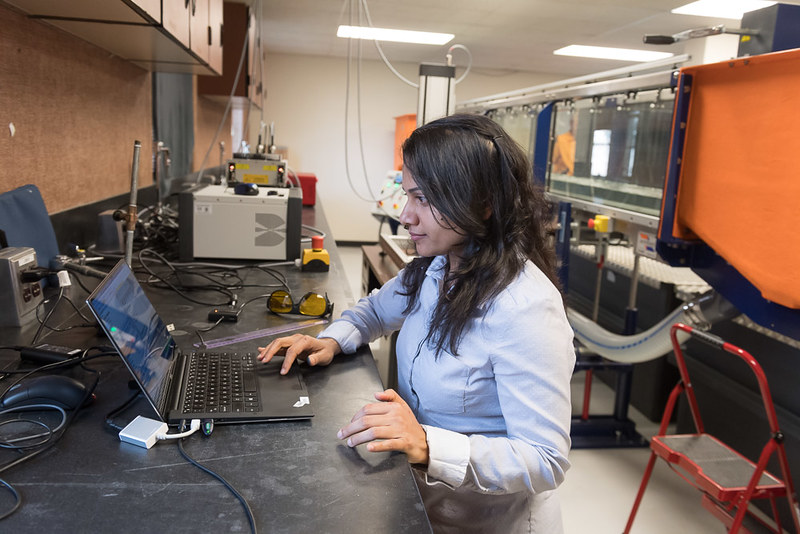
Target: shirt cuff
(448, 456)
(346, 335)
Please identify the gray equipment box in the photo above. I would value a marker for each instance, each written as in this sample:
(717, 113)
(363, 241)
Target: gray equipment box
(217, 223)
(18, 300)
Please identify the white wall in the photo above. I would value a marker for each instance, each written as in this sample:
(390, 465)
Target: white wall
(306, 100)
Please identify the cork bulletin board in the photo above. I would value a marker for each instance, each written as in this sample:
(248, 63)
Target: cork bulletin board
(69, 115)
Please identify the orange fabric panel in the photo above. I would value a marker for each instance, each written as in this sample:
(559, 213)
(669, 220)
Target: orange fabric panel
(739, 189)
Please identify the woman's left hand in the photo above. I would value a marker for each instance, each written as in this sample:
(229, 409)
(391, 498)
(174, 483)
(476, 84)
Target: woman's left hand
(391, 422)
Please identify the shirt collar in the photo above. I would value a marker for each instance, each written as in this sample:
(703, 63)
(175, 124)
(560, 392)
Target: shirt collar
(437, 268)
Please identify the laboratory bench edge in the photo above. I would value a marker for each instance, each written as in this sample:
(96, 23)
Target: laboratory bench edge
(296, 476)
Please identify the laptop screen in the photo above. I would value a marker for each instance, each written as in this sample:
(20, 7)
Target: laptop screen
(135, 329)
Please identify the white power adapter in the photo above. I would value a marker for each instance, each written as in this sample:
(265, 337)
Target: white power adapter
(143, 431)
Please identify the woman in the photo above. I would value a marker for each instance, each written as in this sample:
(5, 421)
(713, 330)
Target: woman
(484, 349)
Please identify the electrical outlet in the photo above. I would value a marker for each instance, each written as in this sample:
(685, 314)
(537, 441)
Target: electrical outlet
(18, 299)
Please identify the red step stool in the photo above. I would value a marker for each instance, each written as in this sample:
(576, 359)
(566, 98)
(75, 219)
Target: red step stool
(727, 480)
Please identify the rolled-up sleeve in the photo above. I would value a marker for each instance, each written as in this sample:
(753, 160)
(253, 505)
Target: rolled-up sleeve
(376, 315)
(449, 456)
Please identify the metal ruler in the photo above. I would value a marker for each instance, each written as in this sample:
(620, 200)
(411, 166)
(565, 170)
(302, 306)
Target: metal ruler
(255, 334)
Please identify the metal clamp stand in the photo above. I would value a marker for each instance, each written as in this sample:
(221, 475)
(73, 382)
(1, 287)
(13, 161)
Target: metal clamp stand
(132, 215)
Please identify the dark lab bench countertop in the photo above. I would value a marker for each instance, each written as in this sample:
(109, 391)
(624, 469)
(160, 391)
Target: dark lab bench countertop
(296, 476)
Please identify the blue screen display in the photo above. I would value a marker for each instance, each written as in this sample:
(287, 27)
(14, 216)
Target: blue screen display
(135, 329)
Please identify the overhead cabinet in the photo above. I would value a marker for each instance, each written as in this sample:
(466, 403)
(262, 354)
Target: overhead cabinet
(158, 35)
(240, 40)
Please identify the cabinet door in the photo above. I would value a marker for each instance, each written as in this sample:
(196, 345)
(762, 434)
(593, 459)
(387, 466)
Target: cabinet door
(215, 30)
(176, 19)
(234, 35)
(198, 25)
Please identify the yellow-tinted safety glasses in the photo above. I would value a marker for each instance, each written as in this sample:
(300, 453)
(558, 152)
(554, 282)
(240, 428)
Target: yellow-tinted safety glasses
(312, 304)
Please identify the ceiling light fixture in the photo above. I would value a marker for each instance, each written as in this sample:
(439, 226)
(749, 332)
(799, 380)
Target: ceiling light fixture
(604, 52)
(721, 9)
(398, 36)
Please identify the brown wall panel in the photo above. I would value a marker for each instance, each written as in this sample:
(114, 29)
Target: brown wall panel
(208, 113)
(76, 111)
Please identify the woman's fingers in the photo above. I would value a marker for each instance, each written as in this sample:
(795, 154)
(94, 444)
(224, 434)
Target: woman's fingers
(387, 426)
(300, 347)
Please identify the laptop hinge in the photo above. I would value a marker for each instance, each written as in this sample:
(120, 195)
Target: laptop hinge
(172, 399)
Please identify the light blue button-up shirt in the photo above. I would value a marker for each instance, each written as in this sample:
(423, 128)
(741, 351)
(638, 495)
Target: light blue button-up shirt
(497, 416)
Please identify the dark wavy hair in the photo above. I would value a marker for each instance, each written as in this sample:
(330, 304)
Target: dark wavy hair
(480, 181)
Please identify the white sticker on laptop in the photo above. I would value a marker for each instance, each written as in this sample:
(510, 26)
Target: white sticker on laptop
(302, 402)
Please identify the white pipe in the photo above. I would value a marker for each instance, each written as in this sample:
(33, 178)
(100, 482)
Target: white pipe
(637, 348)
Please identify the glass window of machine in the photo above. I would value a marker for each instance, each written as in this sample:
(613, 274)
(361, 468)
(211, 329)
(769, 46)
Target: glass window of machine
(612, 150)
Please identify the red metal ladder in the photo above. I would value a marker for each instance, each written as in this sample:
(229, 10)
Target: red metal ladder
(727, 480)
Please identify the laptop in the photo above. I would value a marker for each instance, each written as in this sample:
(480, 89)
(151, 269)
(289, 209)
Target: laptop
(238, 388)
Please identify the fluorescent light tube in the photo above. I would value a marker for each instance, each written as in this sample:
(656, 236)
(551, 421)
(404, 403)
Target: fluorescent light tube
(721, 9)
(398, 36)
(604, 52)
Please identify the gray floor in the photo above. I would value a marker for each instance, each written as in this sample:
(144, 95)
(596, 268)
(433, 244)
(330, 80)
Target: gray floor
(599, 490)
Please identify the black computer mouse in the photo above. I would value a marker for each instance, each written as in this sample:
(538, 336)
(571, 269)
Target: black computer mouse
(60, 390)
(245, 189)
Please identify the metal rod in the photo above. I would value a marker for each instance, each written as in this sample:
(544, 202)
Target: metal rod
(602, 250)
(132, 215)
(159, 152)
(539, 92)
(634, 282)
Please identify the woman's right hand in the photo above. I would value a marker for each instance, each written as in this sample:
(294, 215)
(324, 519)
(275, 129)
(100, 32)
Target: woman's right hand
(300, 347)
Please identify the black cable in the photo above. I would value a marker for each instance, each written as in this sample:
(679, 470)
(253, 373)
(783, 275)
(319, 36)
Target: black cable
(47, 317)
(216, 286)
(223, 272)
(279, 276)
(6, 370)
(177, 290)
(250, 518)
(45, 447)
(156, 230)
(83, 357)
(78, 311)
(17, 499)
(71, 416)
(89, 322)
(219, 270)
(245, 303)
(203, 341)
(69, 362)
(80, 283)
(119, 409)
(230, 272)
(10, 443)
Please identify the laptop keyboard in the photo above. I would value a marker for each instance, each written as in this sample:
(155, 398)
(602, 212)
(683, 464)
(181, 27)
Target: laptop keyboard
(221, 383)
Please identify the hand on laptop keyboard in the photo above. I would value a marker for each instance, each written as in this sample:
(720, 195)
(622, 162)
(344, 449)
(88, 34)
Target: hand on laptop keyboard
(300, 347)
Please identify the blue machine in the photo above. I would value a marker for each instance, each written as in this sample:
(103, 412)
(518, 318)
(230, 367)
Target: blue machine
(630, 141)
